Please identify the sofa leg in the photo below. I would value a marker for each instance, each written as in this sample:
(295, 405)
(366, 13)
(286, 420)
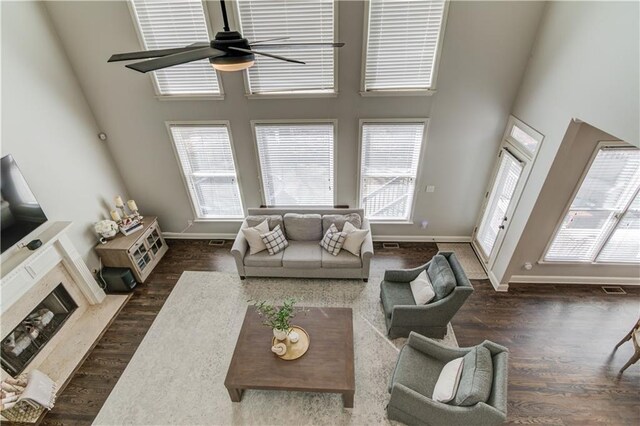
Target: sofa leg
(366, 280)
(242, 277)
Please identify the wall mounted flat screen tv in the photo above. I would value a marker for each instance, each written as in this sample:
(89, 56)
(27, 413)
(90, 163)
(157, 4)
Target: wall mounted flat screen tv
(20, 211)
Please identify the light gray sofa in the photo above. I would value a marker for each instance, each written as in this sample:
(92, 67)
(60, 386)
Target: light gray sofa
(304, 257)
(401, 313)
(419, 365)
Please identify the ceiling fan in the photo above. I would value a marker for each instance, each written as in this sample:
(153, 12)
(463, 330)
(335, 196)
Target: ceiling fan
(229, 51)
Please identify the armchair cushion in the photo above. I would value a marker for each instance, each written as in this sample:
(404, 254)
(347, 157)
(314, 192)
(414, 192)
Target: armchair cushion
(394, 293)
(477, 377)
(442, 277)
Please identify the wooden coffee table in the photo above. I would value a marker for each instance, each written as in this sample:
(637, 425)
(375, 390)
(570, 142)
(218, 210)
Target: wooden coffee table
(326, 367)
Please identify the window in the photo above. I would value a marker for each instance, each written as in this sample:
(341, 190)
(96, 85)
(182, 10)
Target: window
(296, 163)
(390, 155)
(602, 223)
(178, 23)
(403, 42)
(523, 137)
(302, 21)
(206, 160)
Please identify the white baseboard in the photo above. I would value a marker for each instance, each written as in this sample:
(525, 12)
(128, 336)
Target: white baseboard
(497, 285)
(198, 236)
(550, 279)
(421, 239)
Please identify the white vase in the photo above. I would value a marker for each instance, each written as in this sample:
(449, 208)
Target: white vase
(279, 334)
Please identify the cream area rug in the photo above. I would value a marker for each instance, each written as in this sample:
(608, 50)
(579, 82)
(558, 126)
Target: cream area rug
(468, 259)
(176, 377)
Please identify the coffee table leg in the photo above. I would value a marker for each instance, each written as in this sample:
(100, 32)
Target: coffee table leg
(347, 399)
(235, 394)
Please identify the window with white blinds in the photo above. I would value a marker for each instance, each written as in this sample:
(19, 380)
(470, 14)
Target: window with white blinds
(603, 221)
(390, 154)
(402, 44)
(206, 160)
(296, 162)
(302, 21)
(177, 23)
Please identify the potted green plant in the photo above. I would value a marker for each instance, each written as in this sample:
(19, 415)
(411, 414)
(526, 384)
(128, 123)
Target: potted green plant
(277, 318)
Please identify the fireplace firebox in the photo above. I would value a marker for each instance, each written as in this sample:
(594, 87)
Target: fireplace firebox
(29, 337)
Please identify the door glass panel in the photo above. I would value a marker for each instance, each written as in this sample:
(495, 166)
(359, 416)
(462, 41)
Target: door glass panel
(504, 186)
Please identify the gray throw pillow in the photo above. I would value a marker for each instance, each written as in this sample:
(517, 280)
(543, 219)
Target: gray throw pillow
(441, 277)
(477, 378)
(339, 220)
(273, 220)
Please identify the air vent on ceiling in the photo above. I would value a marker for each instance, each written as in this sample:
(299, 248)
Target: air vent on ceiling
(613, 289)
(390, 245)
(216, 242)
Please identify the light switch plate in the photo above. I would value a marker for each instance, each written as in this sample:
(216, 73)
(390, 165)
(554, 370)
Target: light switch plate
(430, 188)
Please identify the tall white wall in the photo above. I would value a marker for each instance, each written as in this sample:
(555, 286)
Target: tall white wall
(485, 50)
(584, 66)
(49, 128)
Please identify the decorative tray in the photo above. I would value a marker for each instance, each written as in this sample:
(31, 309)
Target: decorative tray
(294, 350)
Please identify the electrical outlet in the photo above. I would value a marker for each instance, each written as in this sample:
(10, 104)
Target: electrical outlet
(430, 188)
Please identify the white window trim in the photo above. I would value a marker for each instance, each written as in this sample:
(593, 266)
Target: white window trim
(161, 97)
(293, 95)
(334, 122)
(514, 121)
(399, 92)
(227, 124)
(542, 260)
(423, 149)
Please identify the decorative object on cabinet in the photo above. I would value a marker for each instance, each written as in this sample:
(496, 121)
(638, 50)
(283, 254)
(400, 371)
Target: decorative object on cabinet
(107, 229)
(140, 252)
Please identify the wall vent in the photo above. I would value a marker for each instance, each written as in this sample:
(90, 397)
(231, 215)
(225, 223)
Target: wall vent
(613, 289)
(390, 245)
(216, 243)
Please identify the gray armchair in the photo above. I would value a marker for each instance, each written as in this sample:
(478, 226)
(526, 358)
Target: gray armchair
(415, 376)
(402, 315)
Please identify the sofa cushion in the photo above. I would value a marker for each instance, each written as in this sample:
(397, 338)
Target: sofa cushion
(264, 259)
(302, 254)
(477, 378)
(339, 220)
(441, 277)
(303, 227)
(393, 293)
(273, 220)
(344, 259)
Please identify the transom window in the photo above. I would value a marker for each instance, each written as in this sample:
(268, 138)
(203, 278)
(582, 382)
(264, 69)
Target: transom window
(390, 155)
(403, 41)
(207, 164)
(296, 163)
(301, 21)
(603, 220)
(170, 24)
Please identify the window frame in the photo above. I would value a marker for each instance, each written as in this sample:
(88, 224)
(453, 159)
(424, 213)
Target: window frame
(293, 95)
(400, 92)
(207, 123)
(421, 160)
(543, 261)
(154, 82)
(333, 122)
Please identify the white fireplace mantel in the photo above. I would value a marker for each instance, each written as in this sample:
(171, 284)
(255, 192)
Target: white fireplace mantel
(24, 268)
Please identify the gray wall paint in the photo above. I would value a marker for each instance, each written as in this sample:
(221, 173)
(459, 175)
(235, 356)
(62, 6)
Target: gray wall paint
(48, 127)
(585, 65)
(485, 51)
(573, 158)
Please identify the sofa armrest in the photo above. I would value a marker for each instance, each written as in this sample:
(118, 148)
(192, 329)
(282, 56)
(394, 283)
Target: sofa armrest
(366, 250)
(434, 348)
(239, 249)
(424, 409)
(404, 275)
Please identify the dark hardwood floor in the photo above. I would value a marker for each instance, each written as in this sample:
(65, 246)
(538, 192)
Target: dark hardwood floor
(561, 370)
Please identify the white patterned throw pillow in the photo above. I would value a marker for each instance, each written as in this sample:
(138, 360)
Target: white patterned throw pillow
(333, 240)
(275, 240)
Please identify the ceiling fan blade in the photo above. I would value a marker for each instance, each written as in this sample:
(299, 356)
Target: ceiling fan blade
(282, 58)
(176, 59)
(269, 39)
(284, 45)
(154, 53)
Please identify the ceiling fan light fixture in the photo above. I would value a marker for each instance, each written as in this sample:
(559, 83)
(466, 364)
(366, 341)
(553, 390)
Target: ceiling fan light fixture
(237, 66)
